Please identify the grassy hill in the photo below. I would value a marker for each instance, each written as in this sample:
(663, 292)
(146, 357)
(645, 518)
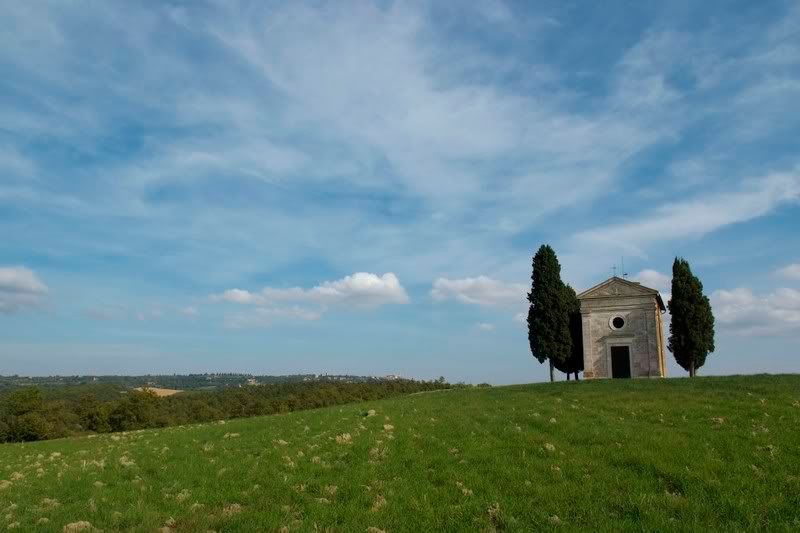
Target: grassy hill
(711, 453)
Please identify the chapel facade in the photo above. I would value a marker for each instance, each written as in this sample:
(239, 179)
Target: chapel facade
(622, 332)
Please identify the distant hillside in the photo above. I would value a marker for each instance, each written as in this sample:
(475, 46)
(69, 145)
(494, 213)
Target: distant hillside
(719, 454)
(41, 413)
(178, 381)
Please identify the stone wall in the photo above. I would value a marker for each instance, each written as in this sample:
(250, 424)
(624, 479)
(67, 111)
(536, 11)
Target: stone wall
(640, 333)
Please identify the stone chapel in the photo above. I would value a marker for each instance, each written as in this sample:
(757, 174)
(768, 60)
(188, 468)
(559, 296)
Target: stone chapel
(622, 333)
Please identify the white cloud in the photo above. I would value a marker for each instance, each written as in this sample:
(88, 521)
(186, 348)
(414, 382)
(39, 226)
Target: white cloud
(483, 291)
(264, 317)
(521, 318)
(20, 289)
(189, 311)
(653, 279)
(20, 279)
(239, 296)
(746, 313)
(485, 326)
(361, 289)
(700, 216)
(791, 272)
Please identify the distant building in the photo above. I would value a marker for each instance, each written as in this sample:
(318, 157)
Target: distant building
(392, 377)
(622, 332)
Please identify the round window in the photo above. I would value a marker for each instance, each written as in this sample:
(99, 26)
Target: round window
(617, 322)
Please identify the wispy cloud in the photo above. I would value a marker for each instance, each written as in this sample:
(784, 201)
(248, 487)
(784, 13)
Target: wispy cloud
(384, 120)
(482, 290)
(150, 314)
(189, 311)
(697, 217)
(13, 163)
(264, 317)
(142, 313)
(103, 313)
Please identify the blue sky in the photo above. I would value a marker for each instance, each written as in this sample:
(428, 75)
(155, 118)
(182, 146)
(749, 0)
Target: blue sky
(359, 187)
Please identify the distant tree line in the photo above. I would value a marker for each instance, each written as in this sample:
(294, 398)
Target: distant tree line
(35, 413)
(554, 321)
(206, 381)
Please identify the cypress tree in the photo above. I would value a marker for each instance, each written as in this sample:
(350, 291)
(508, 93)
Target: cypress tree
(691, 328)
(548, 314)
(574, 363)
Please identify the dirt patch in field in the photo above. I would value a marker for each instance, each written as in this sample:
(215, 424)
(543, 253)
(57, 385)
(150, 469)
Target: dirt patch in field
(159, 392)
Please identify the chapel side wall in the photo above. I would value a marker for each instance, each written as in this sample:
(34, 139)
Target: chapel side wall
(589, 370)
(654, 364)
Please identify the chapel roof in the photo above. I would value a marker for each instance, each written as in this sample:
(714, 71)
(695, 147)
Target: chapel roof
(615, 287)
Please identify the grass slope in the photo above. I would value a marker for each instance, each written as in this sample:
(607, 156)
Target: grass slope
(711, 453)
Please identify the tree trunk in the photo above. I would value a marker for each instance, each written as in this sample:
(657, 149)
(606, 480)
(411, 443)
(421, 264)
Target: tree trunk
(691, 369)
(552, 376)
(567, 376)
(576, 377)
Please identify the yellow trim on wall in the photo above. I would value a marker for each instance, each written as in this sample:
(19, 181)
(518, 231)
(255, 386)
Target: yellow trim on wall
(662, 364)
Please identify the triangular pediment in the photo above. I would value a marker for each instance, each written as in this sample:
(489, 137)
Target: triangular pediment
(616, 287)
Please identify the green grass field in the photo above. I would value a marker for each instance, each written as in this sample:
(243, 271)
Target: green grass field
(717, 454)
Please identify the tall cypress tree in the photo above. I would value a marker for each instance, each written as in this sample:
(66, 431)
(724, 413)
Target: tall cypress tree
(574, 363)
(691, 328)
(548, 314)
